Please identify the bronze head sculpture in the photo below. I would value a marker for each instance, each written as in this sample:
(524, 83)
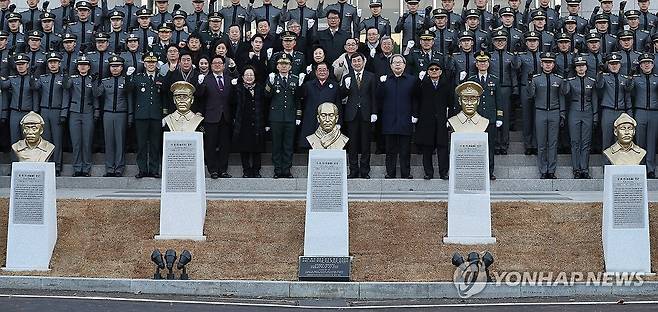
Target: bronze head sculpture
(32, 148)
(327, 136)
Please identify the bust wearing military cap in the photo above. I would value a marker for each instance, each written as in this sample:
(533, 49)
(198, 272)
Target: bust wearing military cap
(468, 120)
(32, 148)
(183, 119)
(327, 136)
(624, 151)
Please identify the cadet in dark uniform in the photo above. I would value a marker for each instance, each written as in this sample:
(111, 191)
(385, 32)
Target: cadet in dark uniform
(50, 87)
(51, 40)
(647, 19)
(606, 6)
(550, 114)
(22, 98)
(608, 41)
(82, 110)
(564, 57)
(197, 21)
(117, 35)
(573, 7)
(132, 55)
(30, 17)
(302, 14)
(16, 39)
(455, 21)
(117, 116)
(83, 28)
(502, 67)
(546, 38)
(481, 38)
(641, 38)
(162, 14)
(4, 55)
(235, 14)
(581, 98)
(615, 99)
(296, 58)
(130, 18)
(514, 40)
(629, 57)
(410, 24)
(446, 42)
(527, 65)
(99, 58)
(464, 60)
(144, 33)
(69, 54)
(571, 30)
(149, 110)
(37, 57)
(285, 112)
(490, 102)
(64, 15)
(595, 59)
(644, 92)
(376, 20)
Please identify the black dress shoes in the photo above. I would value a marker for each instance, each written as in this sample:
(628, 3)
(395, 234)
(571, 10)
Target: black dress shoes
(428, 177)
(155, 175)
(108, 175)
(225, 175)
(444, 177)
(389, 177)
(141, 175)
(365, 176)
(214, 175)
(492, 177)
(352, 176)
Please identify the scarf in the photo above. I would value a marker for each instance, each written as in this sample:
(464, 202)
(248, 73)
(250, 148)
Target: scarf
(326, 139)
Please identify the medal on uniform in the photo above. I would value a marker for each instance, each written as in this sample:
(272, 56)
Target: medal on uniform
(331, 86)
(143, 89)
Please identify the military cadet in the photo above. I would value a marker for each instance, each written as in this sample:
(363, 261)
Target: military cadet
(179, 35)
(198, 20)
(613, 19)
(490, 106)
(161, 14)
(129, 11)
(4, 54)
(64, 14)
(551, 15)
(37, 57)
(382, 24)
(132, 55)
(16, 39)
(608, 41)
(514, 40)
(117, 34)
(99, 58)
(570, 27)
(214, 33)
(285, 112)
(302, 14)
(581, 100)
(629, 57)
(163, 42)
(235, 14)
(82, 111)
(527, 65)
(144, 33)
(296, 58)
(30, 17)
(502, 67)
(647, 19)
(149, 110)
(654, 50)
(480, 37)
(410, 24)
(98, 14)
(69, 54)
(641, 38)
(550, 114)
(117, 116)
(51, 40)
(614, 96)
(464, 60)
(268, 12)
(595, 59)
(83, 28)
(644, 92)
(573, 7)
(349, 17)
(564, 56)
(50, 87)
(447, 38)
(518, 15)
(487, 19)
(546, 38)
(21, 97)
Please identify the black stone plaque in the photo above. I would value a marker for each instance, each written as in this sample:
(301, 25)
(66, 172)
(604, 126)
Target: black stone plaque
(325, 269)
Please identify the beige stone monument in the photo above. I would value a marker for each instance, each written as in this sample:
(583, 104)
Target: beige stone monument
(327, 136)
(624, 151)
(183, 119)
(33, 148)
(468, 120)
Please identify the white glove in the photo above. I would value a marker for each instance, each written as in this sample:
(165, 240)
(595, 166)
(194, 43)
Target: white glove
(150, 40)
(348, 82)
(251, 54)
(448, 124)
(358, 12)
(234, 81)
(279, 30)
(382, 78)
(462, 75)
(499, 123)
(421, 75)
(267, 129)
(160, 64)
(309, 69)
(414, 119)
(201, 77)
(433, 28)
(298, 122)
(301, 78)
(373, 52)
(271, 76)
(410, 44)
(311, 22)
(269, 53)
(373, 118)
(130, 71)
(164, 122)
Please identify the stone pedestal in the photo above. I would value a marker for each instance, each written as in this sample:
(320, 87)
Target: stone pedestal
(625, 233)
(469, 201)
(183, 189)
(32, 228)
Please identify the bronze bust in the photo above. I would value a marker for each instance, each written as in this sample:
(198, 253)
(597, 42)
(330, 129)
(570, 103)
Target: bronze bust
(32, 148)
(183, 119)
(327, 136)
(624, 151)
(468, 120)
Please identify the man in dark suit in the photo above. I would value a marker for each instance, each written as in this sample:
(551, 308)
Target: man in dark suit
(214, 91)
(359, 111)
(333, 38)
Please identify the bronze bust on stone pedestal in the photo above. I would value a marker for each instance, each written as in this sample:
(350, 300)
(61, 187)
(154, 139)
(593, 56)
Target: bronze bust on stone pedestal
(327, 136)
(624, 151)
(183, 119)
(32, 148)
(468, 120)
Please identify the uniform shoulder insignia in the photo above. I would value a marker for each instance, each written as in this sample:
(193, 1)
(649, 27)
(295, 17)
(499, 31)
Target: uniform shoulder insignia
(104, 79)
(636, 75)
(624, 76)
(13, 76)
(455, 53)
(645, 31)
(559, 76)
(294, 76)
(550, 33)
(590, 78)
(75, 76)
(536, 75)
(572, 78)
(494, 76)
(44, 75)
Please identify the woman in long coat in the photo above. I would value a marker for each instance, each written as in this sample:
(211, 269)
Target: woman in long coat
(249, 122)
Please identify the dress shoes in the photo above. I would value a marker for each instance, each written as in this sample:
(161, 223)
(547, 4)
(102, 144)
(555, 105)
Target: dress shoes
(214, 175)
(141, 175)
(225, 175)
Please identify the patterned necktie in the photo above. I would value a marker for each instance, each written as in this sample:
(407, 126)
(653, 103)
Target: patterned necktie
(358, 80)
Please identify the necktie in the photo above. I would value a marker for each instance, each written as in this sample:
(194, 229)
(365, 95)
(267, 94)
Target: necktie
(482, 80)
(220, 83)
(358, 80)
(285, 81)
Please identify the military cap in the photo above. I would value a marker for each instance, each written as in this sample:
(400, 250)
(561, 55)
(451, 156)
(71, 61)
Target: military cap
(161, 0)
(21, 58)
(625, 34)
(440, 12)
(642, 0)
(580, 60)
(427, 35)
(101, 36)
(117, 15)
(570, 19)
(179, 14)
(198, 1)
(645, 57)
(182, 87)
(116, 60)
(69, 37)
(166, 27)
(592, 37)
(601, 18)
(435, 61)
(563, 37)
(506, 11)
(83, 5)
(54, 56)
(132, 37)
(472, 13)
(547, 57)
(215, 16)
(47, 17)
(499, 34)
(13, 16)
(531, 35)
(32, 118)
(283, 59)
(469, 88)
(466, 34)
(625, 118)
(605, 1)
(573, 2)
(632, 14)
(150, 56)
(654, 37)
(288, 35)
(538, 14)
(83, 60)
(411, 1)
(482, 56)
(35, 34)
(144, 13)
(614, 58)
(4, 34)
(375, 3)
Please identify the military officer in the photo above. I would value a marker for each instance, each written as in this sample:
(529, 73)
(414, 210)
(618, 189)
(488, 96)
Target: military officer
(21, 97)
(376, 20)
(641, 37)
(349, 17)
(282, 89)
(82, 111)
(214, 34)
(117, 35)
(83, 28)
(197, 21)
(464, 60)
(420, 58)
(132, 55)
(144, 33)
(149, 110)
(297, 58)
(51, 40)
(51, 90)
(527, 65)
(614, 96)
(163, 42)
(514, 40)
(502, 67)
(37, 57)
(581, 100)
(447, 38)
(550, 114)
(410, 24)
(100, 57)
(644, 92)
(117, 116)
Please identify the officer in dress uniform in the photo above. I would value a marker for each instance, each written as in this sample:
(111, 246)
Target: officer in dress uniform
(612, 87)
(21, 99)
(296, 58)
(419, 59)
(50, 87)
(214, 34)
(376, 20)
